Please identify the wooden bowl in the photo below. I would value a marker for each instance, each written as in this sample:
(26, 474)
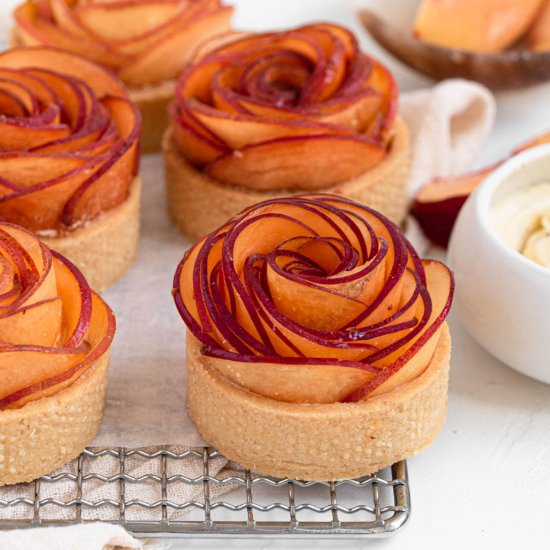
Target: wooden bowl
(514, 68)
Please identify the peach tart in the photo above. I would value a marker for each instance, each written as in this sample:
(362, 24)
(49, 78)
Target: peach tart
(55, 335)
(259, 116)
(317, 346)
(146, 42)
(69, 155)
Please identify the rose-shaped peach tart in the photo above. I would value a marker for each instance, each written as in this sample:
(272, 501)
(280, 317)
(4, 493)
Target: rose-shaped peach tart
(317, 346)
(55, 335)
(146, 42)
(257, 116)
(69, 155)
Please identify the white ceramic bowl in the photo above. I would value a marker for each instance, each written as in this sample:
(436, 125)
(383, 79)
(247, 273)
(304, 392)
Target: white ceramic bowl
(502, 297)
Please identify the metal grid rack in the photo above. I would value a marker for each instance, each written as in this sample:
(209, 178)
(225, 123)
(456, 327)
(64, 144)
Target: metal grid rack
(147, 491)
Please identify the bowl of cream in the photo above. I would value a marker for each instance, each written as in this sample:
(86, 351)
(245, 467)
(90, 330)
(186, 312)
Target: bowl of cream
(500, 253)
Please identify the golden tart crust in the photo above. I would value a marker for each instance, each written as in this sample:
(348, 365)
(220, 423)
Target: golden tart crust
(317, 441)
(46, 434)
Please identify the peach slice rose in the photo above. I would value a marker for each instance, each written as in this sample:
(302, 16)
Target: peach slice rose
(69, 140)
(144, 41)
(52, 326)
(313, 299)
(297, 109)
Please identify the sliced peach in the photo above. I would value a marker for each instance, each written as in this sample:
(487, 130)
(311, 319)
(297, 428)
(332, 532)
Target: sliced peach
(124, 114)
(294, 383)
(299, 161)
(343, 302)
(28, 245)
(106, 189)
(19, 240)
(17, 98)
(239, 131)
(539, 35)
(16, 137)
(33, 31)
(200, 147)
(189, 11)
(119, 21)
(10, 105)
(41, 207)
(34, 364)
(62, 14)
(77, 302)
(102, 82)
(164, 61)
(99, 337)
(437, 205)
(473, 25)
(38, 324)
(27, 170)
(408, 362)
(68, 93)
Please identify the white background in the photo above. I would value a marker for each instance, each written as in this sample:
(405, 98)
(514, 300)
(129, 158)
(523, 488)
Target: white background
(486, 479)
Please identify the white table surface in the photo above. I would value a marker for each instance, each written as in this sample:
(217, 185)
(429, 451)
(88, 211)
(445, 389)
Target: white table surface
(486, 479)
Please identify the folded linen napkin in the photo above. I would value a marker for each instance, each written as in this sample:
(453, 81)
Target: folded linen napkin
(449, 123)
(92, 536)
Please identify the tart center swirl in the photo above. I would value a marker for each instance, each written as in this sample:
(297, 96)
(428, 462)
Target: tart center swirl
(315, 281)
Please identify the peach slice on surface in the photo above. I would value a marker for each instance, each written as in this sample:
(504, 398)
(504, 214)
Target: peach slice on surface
(482, 26)
(539, 35)
(437, 205)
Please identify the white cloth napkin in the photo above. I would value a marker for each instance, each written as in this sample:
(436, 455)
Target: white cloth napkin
(449, 123)
(92, 536)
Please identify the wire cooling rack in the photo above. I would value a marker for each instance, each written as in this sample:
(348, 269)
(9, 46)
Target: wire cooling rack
(150, 492)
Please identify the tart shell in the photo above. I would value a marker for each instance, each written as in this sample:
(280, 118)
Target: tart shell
(106, 247)
(198, 204)
(44, 435)
(152, 102)
(317, 442)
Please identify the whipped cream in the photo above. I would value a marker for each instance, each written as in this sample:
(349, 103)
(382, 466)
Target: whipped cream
(522, 219)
